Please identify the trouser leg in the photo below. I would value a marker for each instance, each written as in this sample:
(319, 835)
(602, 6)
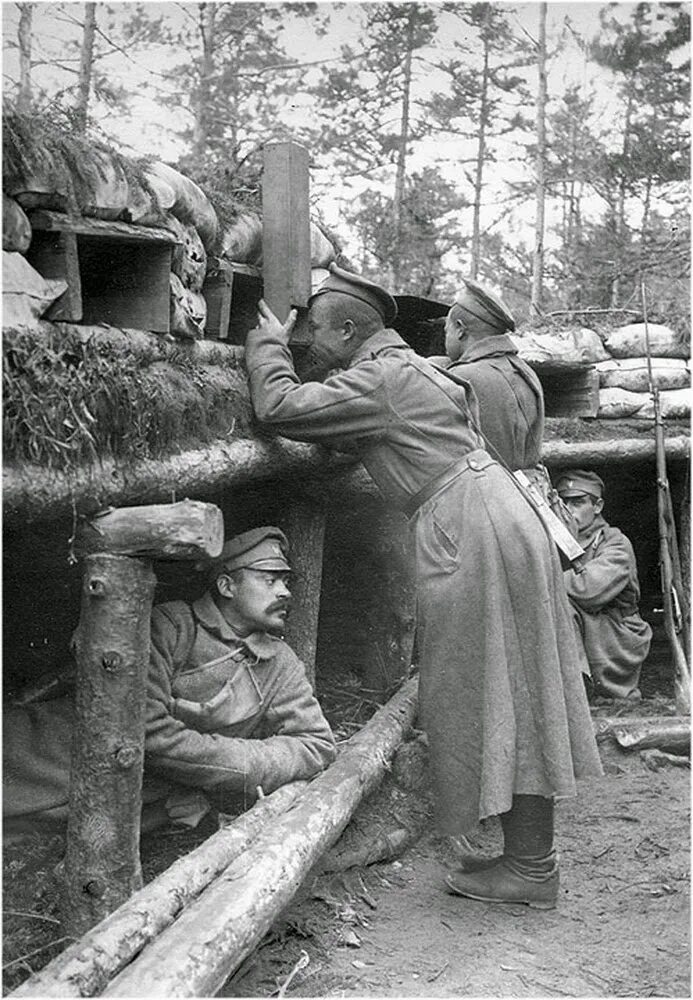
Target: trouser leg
(528, 871)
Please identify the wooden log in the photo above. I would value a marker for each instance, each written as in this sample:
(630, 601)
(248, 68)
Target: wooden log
(587, 453)
(35, 493)
(303, 524)
(214, 934)
(84, 968)
(185, 530)
(655, 760)
(285, 227)
(664, 732)
(102, 862)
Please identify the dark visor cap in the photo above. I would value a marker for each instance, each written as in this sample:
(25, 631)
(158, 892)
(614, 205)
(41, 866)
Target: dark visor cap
(360, 288)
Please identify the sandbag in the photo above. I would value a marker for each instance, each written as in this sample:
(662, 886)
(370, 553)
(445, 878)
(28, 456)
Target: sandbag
(614, 403)
(104, 187)
(633, 374)
(16, 228)
(630, 342)
(189, 260)
(26, 295)
(191, 203)
(321, 250)
(187, 310)
(674, 404)
(242, 240)
(578, 345)
(41, 183)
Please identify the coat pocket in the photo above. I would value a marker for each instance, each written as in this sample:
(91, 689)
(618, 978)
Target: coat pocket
(437, 549)
(238, 701)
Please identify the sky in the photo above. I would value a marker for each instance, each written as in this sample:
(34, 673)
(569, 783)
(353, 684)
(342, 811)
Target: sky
(150, 129)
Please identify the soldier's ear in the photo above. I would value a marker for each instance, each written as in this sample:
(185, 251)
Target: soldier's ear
(349, 329)
(226, 586)
(598, 505)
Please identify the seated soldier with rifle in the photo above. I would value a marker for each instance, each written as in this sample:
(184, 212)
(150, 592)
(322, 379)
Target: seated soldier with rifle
(229, 707)
(604, 592)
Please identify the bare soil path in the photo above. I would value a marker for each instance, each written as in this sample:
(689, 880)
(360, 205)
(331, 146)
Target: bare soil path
(621, 928)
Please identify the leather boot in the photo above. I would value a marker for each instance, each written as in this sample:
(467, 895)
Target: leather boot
(528, 871)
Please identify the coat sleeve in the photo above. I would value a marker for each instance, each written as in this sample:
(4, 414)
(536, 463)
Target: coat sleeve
(604, 576)
(210, 760)
(345, 407)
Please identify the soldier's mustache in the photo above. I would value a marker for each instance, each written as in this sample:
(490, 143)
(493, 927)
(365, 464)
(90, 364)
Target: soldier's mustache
(279, 606)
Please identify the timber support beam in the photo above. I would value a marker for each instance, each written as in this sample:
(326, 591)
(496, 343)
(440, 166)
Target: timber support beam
(102, 863)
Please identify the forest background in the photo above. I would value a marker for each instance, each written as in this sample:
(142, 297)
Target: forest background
(541, 148)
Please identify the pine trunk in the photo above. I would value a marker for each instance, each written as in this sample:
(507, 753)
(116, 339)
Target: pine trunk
(24, 40)
(102, 862)
(540, 188)
(480, 158)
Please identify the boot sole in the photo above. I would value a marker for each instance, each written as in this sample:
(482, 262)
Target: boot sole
(535, 904)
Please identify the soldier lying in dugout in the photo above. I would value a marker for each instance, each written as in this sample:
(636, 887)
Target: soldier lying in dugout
(604, 594)
(229, 706)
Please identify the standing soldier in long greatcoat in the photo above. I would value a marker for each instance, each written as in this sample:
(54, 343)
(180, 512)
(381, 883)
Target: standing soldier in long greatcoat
(501, 693)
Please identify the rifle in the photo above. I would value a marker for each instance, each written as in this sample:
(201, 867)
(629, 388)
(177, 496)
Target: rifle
(675, 598)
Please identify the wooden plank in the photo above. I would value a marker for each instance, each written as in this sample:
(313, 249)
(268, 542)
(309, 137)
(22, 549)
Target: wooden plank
(218, 291)
(286, 227)
(55, 255)
(42, 219)
(571, 394)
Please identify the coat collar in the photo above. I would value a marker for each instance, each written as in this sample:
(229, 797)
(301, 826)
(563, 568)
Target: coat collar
(489, 347)
(592, 536)
(372, 347)
(260, 644)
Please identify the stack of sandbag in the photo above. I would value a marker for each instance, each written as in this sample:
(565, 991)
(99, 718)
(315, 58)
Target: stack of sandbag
(575, 346)
(624, 378)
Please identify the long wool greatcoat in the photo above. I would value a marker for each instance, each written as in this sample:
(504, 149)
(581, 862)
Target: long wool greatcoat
(501, 693)
(510, 397)
(605, 603)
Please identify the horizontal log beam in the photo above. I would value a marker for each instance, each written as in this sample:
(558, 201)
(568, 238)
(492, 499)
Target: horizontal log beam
(210, 939)
(185, 530)
(32, 493)
(85, 967)
(565, 453)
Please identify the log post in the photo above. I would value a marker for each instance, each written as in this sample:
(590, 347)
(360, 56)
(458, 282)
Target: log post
(210, 939)
(304, 525)
(285, 227)
(102, 862)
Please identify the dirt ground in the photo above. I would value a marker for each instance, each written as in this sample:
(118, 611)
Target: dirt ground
(621, 928)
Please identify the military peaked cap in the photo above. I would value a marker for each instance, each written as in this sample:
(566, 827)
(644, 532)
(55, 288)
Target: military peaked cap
(260, 548)
(360, 288)
(484, 305)
(578, 482)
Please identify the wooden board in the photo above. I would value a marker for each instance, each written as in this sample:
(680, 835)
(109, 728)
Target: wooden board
(55, 255)
(59, 222)
(286, 227)
(218, 291)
